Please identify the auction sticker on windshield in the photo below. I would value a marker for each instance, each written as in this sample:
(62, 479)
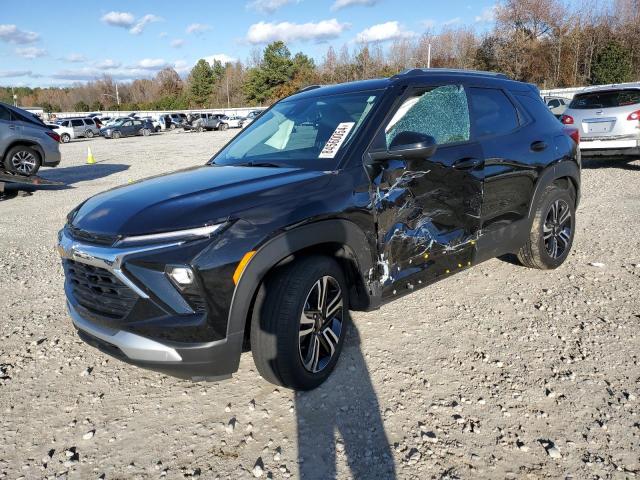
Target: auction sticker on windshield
(336, 140)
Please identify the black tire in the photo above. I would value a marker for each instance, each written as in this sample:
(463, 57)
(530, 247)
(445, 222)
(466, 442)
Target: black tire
(199, 129)
(88, 134)
(65, 138)
(116, 134)
(146, 132)
(552, 232)
(172, 126)
(22, 160)
(157, 129)
(222, 127)
(284, 299)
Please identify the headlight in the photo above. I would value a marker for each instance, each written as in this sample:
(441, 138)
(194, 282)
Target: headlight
(175, 236)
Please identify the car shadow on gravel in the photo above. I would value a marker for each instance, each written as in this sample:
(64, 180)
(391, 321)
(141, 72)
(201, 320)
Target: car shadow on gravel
(611, 162)
(346, 405)
(83, 173)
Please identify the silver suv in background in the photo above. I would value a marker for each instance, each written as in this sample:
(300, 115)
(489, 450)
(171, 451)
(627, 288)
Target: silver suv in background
(608, 120)
(82, 127)
(26, 143)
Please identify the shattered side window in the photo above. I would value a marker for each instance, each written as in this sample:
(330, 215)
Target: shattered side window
(442, 112)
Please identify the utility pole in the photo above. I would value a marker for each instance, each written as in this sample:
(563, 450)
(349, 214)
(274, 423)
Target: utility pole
(228, 99)
(15, 97)
(117, 95)
(429, 56)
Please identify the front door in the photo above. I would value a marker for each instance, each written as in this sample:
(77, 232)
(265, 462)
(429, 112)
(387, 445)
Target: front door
(428, 211)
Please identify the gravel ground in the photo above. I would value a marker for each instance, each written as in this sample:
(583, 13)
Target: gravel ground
(497, 372)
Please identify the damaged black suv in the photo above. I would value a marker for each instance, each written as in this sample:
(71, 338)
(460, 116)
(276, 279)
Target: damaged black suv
(337, 198)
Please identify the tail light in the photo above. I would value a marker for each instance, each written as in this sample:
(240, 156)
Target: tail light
(567, 119)
(54, 135)
(634, 115)
(574, 133)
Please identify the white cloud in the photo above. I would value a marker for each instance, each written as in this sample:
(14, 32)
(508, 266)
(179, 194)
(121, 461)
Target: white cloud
(453, 21)
(15, 73)
(143, 22)
(128, 21)
(152, 63)
(198, 28)
(220, 57)
(340, 4)
(31, 52)
(12, 34)
(383, 32)
(177, 43)
(119, 19)
(108, 64)
(74, 58)
(268, 6)
(429, 23)
(264, 32)
(487, 15)
(181, 66)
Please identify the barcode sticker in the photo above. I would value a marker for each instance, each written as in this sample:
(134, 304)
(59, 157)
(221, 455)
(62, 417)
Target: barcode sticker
(336, 140)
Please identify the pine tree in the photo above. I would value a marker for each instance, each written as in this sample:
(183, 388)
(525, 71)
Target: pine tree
(201, 83)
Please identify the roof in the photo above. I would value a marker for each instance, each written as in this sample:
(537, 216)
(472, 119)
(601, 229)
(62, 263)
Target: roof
(417, 73)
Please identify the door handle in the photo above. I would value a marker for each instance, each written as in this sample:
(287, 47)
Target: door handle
(467, 163)
(538, 146)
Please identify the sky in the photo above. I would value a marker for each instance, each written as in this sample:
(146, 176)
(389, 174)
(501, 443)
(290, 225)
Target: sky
(70, 41)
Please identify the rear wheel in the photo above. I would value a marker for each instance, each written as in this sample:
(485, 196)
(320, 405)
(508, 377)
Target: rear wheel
(223, 127)
(172, 126)
(299, 323)
(22, 160)
(88, 134)
(552, 231)
(199, 129)
(65, 138)
(146, 132)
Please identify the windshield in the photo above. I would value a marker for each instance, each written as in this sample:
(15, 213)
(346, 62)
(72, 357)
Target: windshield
(606, 99)
(306, 133)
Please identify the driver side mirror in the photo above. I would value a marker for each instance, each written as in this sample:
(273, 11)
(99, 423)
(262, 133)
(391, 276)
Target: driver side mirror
(408, 145)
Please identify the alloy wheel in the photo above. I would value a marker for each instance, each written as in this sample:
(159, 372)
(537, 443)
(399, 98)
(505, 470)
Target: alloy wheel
(24, 162)
(557, 229)
(321, 324)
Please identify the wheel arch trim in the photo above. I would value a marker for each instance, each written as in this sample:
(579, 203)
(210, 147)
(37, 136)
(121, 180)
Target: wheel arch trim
(274, 251)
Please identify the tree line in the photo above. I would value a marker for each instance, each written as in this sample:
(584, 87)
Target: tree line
(545, 42)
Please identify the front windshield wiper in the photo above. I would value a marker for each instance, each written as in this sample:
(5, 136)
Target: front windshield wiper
(257, 164)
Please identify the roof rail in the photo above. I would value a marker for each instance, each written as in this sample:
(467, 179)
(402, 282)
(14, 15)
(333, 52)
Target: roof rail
(413, 72)
(310, 87)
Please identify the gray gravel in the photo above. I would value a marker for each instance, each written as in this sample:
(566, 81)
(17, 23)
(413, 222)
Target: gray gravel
(497, 372)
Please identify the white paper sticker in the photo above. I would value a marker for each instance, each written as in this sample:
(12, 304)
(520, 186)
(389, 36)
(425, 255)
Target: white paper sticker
(336, 140)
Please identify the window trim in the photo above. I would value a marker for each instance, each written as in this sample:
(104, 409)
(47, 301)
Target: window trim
(524, 119)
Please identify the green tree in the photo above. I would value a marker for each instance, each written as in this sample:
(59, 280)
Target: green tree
(613, 64)
(81, 106)
(276, 69)
(97, 105)
(201, 83)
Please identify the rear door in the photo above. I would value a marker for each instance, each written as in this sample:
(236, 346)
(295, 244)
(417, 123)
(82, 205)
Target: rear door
(8, 130)
(428, 211)
(127, 128)
(78, 127)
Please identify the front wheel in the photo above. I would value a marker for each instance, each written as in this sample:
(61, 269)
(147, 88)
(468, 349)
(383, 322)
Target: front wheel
(115, 135)
(146, 132)
(223, 127)
(299, 323)
(552, 231)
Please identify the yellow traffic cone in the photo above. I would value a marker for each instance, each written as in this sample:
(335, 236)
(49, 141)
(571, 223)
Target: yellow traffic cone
(90, 159)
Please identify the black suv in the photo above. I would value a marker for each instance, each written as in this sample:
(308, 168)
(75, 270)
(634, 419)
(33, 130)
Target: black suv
(337, 198)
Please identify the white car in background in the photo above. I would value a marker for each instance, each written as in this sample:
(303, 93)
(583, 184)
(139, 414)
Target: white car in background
(66, 133)
(233, 121)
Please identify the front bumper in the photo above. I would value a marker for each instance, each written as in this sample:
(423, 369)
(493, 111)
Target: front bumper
(152, 325)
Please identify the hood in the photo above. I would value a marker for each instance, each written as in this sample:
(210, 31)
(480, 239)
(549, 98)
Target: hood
(190, 198)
